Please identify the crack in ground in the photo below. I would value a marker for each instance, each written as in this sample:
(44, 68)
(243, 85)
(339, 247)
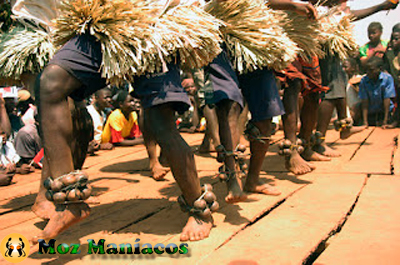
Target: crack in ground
(142, 218)
(260, 216)
(395, 146)
(362, 143)
(324, 242)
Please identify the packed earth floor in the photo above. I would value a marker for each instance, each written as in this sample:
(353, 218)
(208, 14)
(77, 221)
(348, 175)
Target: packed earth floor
(345, 212)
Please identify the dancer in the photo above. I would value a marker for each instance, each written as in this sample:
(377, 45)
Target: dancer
(334, 77)
(82, 66)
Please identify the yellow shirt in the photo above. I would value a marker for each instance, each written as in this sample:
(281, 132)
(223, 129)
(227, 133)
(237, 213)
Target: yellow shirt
(117, 122)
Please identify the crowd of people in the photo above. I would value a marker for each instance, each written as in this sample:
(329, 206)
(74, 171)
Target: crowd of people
(77, 114)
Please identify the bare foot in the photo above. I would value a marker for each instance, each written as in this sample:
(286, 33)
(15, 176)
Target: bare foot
(297, 165)
(310, 155)
(393, 125)
(235, 193)
(158, 172)
(43, 208)
(64, 217)
(196, 229)
(347, 132)
(263, 188)
(325, 150)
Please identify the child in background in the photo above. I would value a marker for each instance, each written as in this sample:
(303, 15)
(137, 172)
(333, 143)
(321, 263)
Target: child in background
(352, 70)
(375, 46)
(392, 66)
(376, 91)
(122, 125)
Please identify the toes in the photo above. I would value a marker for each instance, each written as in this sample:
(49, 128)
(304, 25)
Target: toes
(228, 198)
(201, 235)
(184, 237)
(192, 236)
(312, 166)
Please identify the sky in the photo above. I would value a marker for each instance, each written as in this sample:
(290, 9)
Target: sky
(386, 19)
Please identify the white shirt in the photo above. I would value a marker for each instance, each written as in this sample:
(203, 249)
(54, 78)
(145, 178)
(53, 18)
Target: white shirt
(8, 154)
(98, 121)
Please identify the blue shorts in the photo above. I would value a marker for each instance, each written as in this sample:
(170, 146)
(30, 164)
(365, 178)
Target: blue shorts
(81, 57)
(221, 81)
(261, 93)
(157, 89)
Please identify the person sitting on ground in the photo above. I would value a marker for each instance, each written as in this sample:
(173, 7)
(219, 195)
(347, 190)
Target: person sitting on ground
(376, 91)
(190, 119)
(26, 107)
(375, 46)
(8, 156)
(351, 68)
(102, 100)
(5, 175)
(27, 144)
(122, 125)
(392, 66)
(10, 97)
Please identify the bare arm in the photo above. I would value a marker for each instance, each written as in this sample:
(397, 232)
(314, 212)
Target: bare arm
(4, 119)
(386, 107)
(130, 142)
(301, 8)
(362, 13)
(364, 106)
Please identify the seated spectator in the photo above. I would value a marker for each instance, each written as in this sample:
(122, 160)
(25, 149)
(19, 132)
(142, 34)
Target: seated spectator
(375, 46)
(26, 107)
(351, 68)
(6, 175)
(8, 156)
(27, 144)
(392, 66)
(10, 95)
(102, 100)
(190, 119)
(122, 125)
(376, 92)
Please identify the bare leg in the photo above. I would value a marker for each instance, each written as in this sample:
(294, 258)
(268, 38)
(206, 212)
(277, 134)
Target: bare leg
(258, 151)
(212, 131)
(42, 207)
(243, 119)
(294, 163)
(83, 129)
(160, 120)
(308, 118)
(228, 114)
(57, 133)
(324, 116)
(158, 172)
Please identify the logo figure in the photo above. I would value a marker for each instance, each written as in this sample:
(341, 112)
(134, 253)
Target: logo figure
(14, 247)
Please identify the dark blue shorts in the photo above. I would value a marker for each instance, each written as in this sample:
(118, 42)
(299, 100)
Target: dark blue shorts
(221, 80)
(261, 93)
(157, 89)
(81, 57)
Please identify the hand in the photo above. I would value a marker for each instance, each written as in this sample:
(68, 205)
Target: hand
(106, 146)
(306, 10)
(379, 52)
(5, 179)
(10, 168)
(92, 147)
(388, 5)
(25, 169)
